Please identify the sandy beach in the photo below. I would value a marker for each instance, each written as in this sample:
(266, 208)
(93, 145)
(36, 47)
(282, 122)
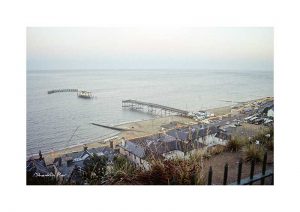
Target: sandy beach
(139, 129)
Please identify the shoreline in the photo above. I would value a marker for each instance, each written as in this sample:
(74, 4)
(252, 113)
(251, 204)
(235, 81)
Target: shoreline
(143, 127)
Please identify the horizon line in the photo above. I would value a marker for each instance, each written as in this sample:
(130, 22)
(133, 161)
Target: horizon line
(98, 69)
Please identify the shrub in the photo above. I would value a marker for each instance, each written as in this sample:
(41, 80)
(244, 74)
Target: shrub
(235, 144)
(163, 172)
(269, 145)
(121, 172)
(95, 168)
(122, 164)
(217, 150)
(266, 141)
(253, 152)
(176, 172)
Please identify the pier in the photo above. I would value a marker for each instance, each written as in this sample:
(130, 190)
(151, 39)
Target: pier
(152, 108)
(62, 90)
(115, 128)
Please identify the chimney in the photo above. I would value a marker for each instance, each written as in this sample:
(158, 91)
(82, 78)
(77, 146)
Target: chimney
(85, 148)
(123, 141)
(41, 156)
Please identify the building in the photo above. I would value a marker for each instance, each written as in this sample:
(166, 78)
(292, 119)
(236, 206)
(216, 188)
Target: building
(199, 136)
(209, 135)
(162, 146)
(222, 138)
(175, 143)
(38, 172)
(37, 167)
(71, 166)
(270, 113)
(135, 153)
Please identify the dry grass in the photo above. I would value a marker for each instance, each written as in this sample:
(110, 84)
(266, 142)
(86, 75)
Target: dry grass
(216, 150)
(269, 145)
(176, 172)
(162, 172)
(253, 152)
(236, 144)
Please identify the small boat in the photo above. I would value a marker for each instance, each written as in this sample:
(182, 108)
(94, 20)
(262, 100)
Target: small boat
(85, 94)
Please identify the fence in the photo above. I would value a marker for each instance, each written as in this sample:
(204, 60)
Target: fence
(249, 180)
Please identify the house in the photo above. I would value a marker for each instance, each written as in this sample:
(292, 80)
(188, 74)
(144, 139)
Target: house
(270, 113)
(140, 151)
(210, 135)
(135, 153)
(188, 138)
(175, 143)
(222, 138)
(37, 171)
(71, 166)
(37, 167)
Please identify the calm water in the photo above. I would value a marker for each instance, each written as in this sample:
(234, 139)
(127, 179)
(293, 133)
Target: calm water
(52, 119)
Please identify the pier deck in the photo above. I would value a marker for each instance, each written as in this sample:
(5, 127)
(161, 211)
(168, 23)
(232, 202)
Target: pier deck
(152, 107)
(62, 90)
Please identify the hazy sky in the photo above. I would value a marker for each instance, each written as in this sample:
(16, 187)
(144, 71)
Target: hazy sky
(150, 48)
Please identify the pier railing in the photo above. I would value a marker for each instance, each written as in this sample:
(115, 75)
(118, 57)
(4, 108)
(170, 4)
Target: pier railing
(134, 104)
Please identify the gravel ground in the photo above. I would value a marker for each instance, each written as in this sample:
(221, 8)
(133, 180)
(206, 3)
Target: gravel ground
(218, 162)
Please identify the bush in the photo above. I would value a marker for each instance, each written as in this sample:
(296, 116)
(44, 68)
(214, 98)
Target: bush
(216, 150)
(253, 152)
(269, 145)
(163, 172)
(122, 164)
(121, 172)
(174, 172)
(266, 141)
(95, 168)
(235, 144)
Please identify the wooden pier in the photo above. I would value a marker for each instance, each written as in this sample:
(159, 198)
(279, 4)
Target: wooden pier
(153, 108)
(62, 90)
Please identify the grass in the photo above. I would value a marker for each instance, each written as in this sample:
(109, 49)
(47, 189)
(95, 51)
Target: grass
(216, 150)
(266, 141)
(236, 144)
(162, 172)
(172, 172)
(269, 145)
(254, 152)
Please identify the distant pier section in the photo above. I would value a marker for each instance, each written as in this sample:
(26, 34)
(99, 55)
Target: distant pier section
(152, 108)
(62, 90)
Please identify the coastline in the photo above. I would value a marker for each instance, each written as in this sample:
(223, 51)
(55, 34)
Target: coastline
(143, 128)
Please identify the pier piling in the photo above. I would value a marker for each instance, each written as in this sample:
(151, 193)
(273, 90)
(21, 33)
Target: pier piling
(151, 107)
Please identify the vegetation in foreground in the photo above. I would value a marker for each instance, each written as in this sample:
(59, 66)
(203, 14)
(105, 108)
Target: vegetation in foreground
(255, 147)
(253, 152)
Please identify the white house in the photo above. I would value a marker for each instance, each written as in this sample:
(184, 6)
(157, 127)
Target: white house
(270, 113)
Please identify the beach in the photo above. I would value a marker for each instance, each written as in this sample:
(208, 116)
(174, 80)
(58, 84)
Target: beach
(139, 129)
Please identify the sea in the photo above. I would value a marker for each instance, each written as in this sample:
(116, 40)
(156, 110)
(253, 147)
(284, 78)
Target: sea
(60, 120)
